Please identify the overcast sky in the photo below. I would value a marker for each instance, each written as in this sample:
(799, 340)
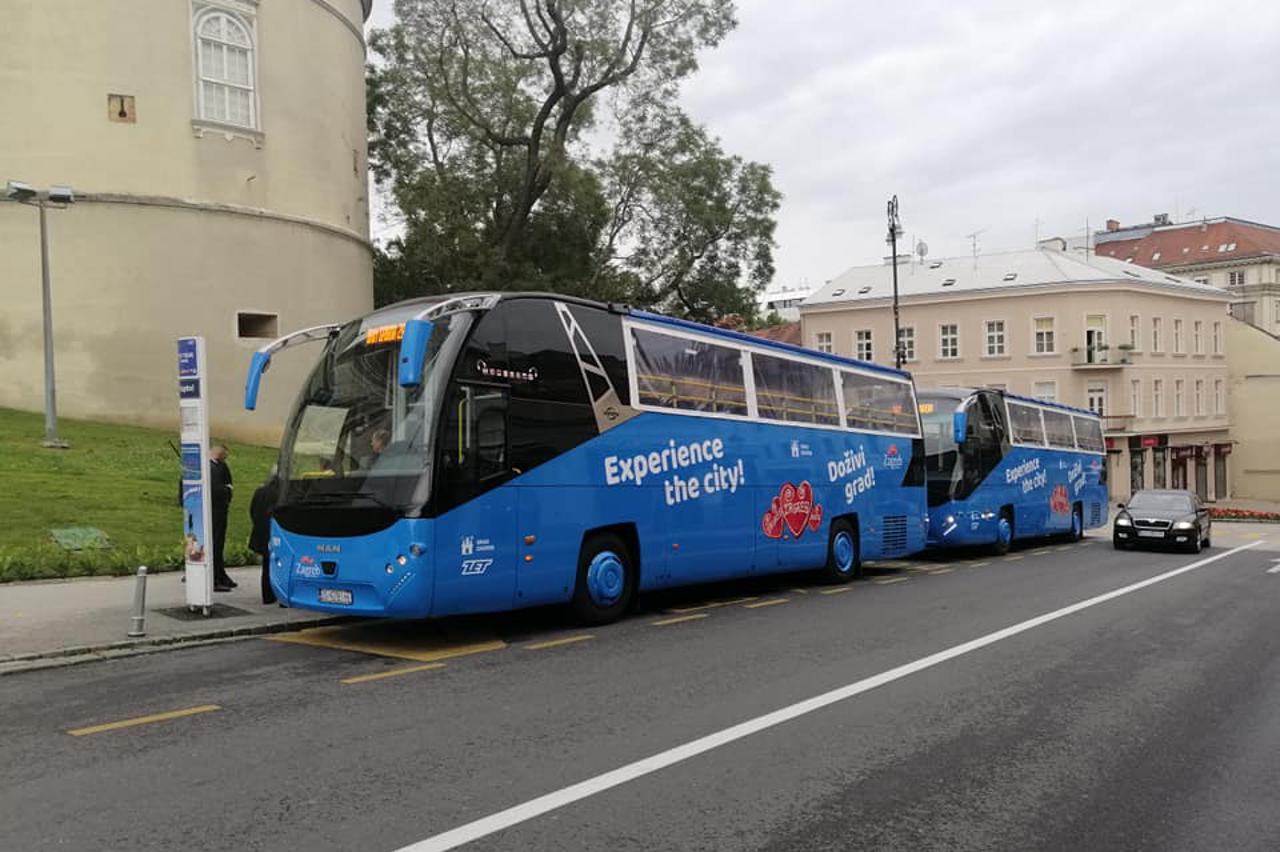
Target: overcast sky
(992, 115)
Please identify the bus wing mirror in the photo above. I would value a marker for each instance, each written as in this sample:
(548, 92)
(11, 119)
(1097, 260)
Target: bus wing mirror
(257, 366)
(413, 351)
(959, 426)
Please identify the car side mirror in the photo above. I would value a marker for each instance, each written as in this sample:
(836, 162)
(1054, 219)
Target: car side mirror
(1119, 505)
(959, 425)
(413, 351)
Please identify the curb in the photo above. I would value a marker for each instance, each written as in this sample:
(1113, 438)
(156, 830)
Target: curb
(35, 660)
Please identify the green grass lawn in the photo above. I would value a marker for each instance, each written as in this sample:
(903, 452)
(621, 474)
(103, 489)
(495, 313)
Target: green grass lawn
(122, 480)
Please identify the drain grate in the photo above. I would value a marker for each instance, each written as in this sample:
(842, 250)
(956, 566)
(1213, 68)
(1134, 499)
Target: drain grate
(218, 610)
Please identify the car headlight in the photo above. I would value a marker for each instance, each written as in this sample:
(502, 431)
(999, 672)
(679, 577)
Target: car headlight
(1183, 525)
(1123, 522)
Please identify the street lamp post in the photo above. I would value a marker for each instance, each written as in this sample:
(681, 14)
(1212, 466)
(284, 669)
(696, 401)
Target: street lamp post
(61, 197)
(895, 231)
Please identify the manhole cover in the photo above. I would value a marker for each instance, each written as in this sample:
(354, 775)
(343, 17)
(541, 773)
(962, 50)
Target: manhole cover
(181, 613)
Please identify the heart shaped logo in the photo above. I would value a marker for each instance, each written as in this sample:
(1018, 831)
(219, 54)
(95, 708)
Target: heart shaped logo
(793, 510)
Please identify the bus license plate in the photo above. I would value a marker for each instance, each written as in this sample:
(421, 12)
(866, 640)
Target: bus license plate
(335, 596)
(1151, 533)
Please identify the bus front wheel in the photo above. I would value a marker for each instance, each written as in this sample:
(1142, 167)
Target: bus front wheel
(606, 580)
(843, 562)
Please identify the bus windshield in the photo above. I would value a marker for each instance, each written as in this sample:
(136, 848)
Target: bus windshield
(355, 434)
(941, 450)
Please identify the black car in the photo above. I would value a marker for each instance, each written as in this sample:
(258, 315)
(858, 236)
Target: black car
(1163, 517)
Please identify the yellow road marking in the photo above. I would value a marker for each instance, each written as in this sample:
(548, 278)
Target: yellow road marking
(392, 673)
(943, 570)
(839, 591)
(891, 580)
(679, 620)
(770, 602)
(1255, 535)
(143, 720)
(425, 650)
(1014, 557)
(712, 605)
(556, 643)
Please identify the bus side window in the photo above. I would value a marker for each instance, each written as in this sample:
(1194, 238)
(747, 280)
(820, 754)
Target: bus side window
(473, 443)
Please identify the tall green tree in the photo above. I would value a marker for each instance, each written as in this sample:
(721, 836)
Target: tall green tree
(482, 116)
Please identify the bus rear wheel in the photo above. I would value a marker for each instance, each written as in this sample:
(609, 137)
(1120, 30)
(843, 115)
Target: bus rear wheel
(1004, 533)
(606, 580)
(844, 561)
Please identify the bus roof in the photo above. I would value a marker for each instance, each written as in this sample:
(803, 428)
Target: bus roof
(397, 310)
(961, 393)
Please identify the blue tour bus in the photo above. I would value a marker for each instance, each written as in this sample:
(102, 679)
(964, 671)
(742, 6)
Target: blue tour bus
(488, 452)
(1002, 467)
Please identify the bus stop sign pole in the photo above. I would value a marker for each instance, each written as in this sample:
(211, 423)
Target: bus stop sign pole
(197, 516)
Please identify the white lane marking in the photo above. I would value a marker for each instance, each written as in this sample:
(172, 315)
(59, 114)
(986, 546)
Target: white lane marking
(584, 789)
(1274, 569)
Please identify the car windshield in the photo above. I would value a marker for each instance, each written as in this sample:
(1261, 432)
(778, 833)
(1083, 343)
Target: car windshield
(1153, 502)
(356, 434)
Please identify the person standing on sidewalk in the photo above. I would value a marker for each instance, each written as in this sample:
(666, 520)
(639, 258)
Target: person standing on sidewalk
(221, 488)
(260, 509)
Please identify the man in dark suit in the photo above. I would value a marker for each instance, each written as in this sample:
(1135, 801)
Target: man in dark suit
(220, 488)
(260, 509)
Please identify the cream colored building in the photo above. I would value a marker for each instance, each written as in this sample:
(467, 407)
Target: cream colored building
(218, 153)
(1239, 256)
(1254, 404)
(1144, 349)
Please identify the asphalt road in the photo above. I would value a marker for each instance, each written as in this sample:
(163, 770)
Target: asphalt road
(1143, 721)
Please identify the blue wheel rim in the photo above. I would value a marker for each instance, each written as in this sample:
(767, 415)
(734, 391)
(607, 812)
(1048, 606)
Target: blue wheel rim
(606, 578)
(843, 551)
(1004, 532)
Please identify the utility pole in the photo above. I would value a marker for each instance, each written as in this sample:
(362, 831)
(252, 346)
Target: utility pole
(895, 231)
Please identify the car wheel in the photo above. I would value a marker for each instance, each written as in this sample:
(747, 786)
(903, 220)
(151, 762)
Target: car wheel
(843, 562)
(606, 580)
(1196, 545)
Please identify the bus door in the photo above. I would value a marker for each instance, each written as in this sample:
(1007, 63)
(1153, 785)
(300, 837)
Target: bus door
(984, 448)
(476, 550)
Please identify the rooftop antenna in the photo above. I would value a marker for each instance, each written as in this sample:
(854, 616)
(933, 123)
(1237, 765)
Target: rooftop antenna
(973, 239)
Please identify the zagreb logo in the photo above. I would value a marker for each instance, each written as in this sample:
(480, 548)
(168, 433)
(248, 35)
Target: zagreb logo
(792, 510)
(468, 545)
(892, 458)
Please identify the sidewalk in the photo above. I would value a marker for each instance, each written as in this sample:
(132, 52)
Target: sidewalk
(58, 622)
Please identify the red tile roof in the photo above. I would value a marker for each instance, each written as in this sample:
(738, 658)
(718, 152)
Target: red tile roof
(787, 332)
(1192, 243)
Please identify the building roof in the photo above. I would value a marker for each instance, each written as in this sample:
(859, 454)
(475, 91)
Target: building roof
(787, 332)
(1004, 271)
(1210, 241)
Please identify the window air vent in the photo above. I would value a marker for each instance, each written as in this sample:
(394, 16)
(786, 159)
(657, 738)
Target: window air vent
(949, 282)
(866, 288)
(1010, 276)
(839, 292)
(935, 264)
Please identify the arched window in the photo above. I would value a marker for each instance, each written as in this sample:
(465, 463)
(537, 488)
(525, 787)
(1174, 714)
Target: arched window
(224, 61)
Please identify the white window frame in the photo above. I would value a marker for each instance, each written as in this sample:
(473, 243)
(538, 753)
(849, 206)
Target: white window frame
(1001, 338)
(1035, 394)
(1235, 278)
(1179, 337)
(1198, 398)
(857, 344)
(1135, 332)
(1179, 397)
(942, 356)
(749, 380)
(1197, 337)
(1157, 397)
(1219, 396)
(1088, 396)
(1157, 335)
(1135, 397)
(821, 344)
(1035, 335)
(247, 20)
(908, 334)
(1217, 337)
